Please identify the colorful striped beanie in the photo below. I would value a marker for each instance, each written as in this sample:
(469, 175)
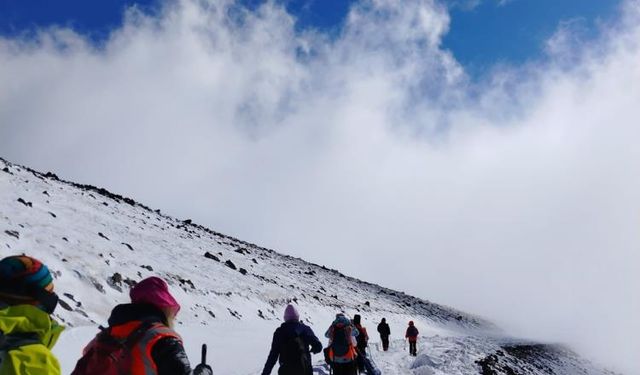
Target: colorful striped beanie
(25, 280)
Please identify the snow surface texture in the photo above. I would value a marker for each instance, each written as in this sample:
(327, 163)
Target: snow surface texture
(232, 292)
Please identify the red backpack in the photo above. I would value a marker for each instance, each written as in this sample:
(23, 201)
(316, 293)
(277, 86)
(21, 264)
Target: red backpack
(108, 355)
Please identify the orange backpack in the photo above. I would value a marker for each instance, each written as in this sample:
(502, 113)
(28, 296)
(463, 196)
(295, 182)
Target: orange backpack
(123, 349)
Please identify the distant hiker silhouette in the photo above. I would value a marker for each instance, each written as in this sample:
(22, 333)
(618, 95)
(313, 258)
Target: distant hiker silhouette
(412, 335)
(290, 345)
(140, 339)
(27, 331)
(385, 332)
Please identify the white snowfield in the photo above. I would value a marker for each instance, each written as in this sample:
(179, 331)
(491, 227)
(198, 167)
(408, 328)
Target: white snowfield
(232, 293)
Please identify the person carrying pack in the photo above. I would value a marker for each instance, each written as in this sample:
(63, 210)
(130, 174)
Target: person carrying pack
(290, 344)
(412, 335)
(27, 331)
(385, 332)
(362, 341)
(341, 352)
(140, 339)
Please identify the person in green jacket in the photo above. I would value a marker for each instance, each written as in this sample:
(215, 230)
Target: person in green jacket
(27, 331)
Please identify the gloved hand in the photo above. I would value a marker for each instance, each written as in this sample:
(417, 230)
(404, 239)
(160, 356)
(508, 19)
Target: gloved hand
(202, 369)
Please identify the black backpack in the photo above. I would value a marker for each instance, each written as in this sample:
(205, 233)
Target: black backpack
(294, 355)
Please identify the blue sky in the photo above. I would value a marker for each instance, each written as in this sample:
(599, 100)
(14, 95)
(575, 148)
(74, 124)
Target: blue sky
(490, 32)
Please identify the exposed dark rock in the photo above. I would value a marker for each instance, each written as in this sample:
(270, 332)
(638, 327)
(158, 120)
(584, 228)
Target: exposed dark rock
(242, 251)
(184, 282)
(52, 176)
(116, 278)
(235, 314)
(489, 365)
(64, 305)
(127, 245)
(13, 233)
(243, 271)
(52, 214)
(230, 264)
(103, 236)
(28, 204)
(523, 357)
(149, 268)
(46, 193)
(208, 255)
(99, 287)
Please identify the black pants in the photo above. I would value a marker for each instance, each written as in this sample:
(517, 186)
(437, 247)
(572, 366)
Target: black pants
(385, 342)
(362, 352)
(345, 368)
(413, 350)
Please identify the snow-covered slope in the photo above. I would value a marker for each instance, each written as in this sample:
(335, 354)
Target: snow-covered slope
(232, 292)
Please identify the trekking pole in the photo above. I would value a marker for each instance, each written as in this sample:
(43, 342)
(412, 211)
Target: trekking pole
(204, 354)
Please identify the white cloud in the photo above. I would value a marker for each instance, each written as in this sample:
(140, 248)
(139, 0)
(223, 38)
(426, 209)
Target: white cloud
(469, 5)
(370, 152)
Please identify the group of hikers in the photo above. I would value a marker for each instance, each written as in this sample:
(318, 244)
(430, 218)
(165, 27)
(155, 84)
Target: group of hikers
(140, 339)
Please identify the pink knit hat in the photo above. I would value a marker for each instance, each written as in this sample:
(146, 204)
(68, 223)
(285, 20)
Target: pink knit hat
(154, 291)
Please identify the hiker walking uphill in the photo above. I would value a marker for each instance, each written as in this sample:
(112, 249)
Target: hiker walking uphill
(27, 331)
(341, 351)
(412, 335)
(385, 332)
(362, 340)
(140, 337)
(290, 345)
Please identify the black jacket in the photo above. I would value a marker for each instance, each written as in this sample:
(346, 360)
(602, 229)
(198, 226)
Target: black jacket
(285, 332)
(383, 329)
(168, 353)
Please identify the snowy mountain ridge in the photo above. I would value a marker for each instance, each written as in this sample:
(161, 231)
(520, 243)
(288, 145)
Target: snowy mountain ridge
(232, 292)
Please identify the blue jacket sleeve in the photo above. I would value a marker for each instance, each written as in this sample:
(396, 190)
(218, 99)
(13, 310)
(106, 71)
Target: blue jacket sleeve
(273, 354)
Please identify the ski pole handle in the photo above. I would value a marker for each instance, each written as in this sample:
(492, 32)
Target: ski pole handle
(204, 354)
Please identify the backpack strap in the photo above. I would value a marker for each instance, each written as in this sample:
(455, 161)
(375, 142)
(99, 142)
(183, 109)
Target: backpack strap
(16, 340)
(132, 339)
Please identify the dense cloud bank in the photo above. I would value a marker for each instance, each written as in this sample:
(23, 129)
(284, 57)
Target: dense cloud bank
(369, 150)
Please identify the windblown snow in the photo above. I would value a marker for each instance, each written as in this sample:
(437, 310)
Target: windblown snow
(232, 292)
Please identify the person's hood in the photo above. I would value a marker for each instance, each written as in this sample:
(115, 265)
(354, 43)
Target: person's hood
(130, 312)
(30, 319)
(342, 319)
